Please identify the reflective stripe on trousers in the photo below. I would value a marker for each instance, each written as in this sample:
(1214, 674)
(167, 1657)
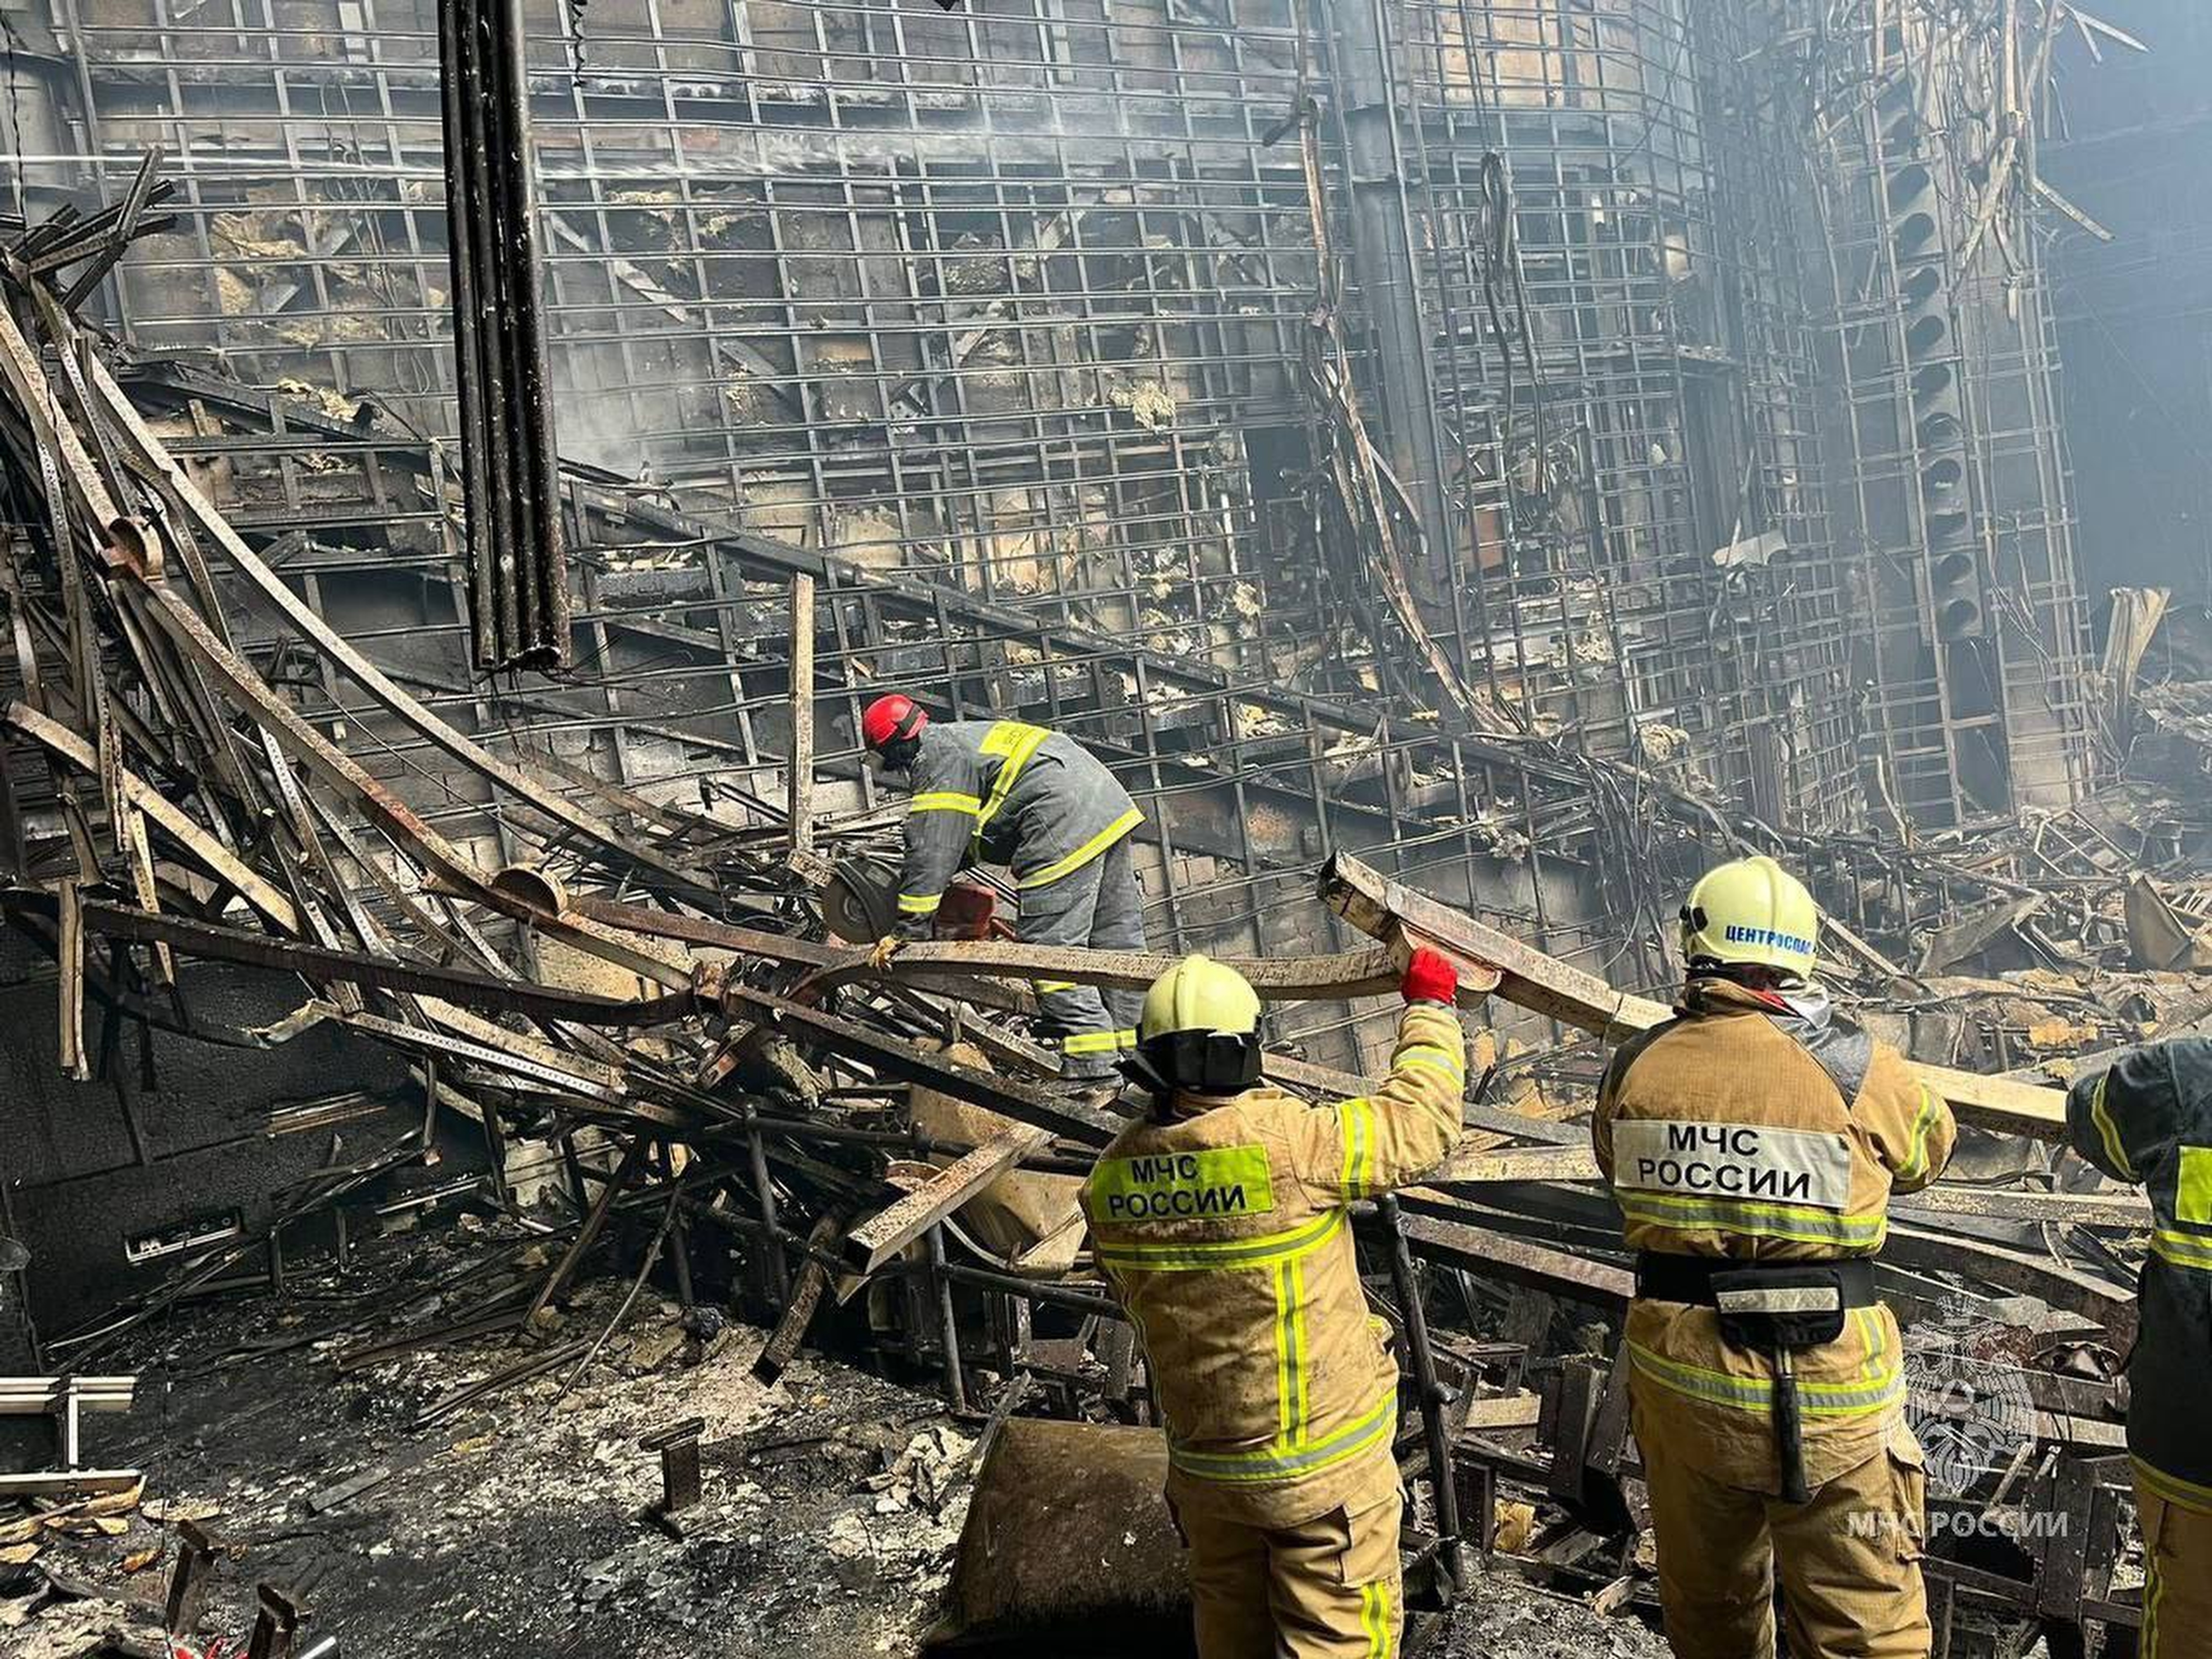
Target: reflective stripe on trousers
(1097, 908)
(2177, 1533)
(1329, 1588)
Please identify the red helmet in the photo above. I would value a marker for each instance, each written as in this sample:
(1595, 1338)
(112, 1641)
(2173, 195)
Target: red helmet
(895, 718)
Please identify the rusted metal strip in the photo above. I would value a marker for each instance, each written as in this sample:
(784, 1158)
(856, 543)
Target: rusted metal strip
(595, 1221)
(328, 762)
(402, 897)
(1026, 1102)
(2106, 1209)
(564, 1073)
(799, 794)
(19, 367)
(2037, 1276)
(139, 857)
(190, 631)
(379, 687)
(318, 964)
(1510, 1165)
(806, 1296)
(1276, 979)
(69, 956)
(1488, 1254)
(1378, 906)
(463, 1023)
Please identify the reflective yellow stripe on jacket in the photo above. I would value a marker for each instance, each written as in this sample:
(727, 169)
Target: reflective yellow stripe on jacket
(935, 800)
(1013, 742)
(1293, 1453)
(2109, 1133)
(1801, 1223)
(1200, 1256)
(2193, 1251)
(1359, 1119)
(1916, 1159)
(945, 800)
(1278, 1463)
(1082, 855)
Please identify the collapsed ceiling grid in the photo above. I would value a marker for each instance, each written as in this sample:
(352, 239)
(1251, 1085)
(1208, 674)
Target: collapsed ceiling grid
(1531, 448)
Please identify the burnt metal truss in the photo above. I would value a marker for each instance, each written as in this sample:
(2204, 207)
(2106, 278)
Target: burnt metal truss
(510, 457)
(1244, 785)
(1973, 635)
(1015, 306)
(341, 805)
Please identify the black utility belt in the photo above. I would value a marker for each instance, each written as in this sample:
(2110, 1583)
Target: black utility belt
(1778, 1310)
(1703, 1280)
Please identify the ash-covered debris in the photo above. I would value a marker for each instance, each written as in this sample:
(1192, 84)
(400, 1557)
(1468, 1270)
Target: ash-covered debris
(829, 1507)
(630, 1036)
(830, 1504)
(1504, 1618)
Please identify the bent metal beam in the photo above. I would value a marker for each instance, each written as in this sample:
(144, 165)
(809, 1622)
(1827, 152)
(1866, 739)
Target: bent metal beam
(1382, 907)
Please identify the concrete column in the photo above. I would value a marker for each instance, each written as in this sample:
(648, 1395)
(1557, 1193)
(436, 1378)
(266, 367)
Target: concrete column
(33, 116)
(1383, 261)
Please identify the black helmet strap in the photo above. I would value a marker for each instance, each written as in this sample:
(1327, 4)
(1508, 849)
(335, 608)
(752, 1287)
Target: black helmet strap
(1201, 1062)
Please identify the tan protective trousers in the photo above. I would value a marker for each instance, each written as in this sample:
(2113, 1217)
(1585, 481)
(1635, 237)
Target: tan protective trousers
(2178, 1585)
(1327, 1588)
(1849, 1560)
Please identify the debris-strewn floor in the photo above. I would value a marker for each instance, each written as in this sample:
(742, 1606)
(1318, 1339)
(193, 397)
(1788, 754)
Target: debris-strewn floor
(832, 1503)
(1506, 1619)
(514, 1530)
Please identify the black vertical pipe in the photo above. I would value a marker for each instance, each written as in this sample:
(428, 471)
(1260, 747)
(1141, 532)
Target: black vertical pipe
(549, 569)
(1452, 1556)
(510, 455)
(461, 254)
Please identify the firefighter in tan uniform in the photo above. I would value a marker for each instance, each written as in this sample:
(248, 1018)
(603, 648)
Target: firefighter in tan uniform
(1752, 1143)
(1222, 1221)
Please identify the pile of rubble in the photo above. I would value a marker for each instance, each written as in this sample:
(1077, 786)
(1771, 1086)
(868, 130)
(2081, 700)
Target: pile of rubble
(734, 1110)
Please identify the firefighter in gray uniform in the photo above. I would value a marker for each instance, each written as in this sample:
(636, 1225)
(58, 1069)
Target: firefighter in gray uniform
(2148, 1122)
(1001, 791)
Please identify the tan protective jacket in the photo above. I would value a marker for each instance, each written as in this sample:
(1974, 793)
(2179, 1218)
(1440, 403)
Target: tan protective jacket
(1760, 1129)
(1225, 1231)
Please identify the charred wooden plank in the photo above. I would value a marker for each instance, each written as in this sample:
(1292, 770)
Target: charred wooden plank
(889, 1231)
(1382, 907)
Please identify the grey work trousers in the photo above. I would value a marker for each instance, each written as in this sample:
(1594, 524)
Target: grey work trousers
(1099, 906)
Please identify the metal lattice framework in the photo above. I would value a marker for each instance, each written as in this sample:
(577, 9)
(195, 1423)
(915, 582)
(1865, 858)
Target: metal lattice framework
(1010, 307)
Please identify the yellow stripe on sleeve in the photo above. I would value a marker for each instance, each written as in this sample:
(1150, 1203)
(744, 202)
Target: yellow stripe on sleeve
(946, 800)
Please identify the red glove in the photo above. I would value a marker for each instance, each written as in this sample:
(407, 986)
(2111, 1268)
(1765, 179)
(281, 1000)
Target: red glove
(1430, 977)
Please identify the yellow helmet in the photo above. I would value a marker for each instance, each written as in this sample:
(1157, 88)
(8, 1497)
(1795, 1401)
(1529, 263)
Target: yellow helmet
(1199, 994)
(1200, 1029)
(1752, 911)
